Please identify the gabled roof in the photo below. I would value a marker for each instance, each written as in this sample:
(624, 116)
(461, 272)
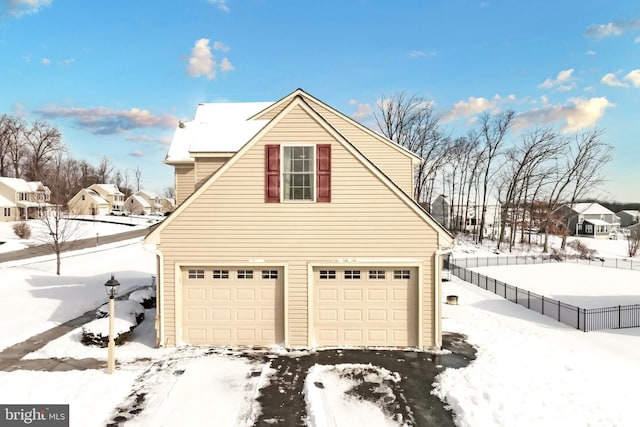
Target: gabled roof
(140, 200)
(16, 184)
(631, 212)
(296, 101)
(591, 208)
(95, 196)
(216, 128)
(378, 136)
(107, 188)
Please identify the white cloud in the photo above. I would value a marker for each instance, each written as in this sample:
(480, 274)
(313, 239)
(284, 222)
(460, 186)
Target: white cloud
(221, 47)
(137, 153)
(23, 7)
(633, 77)
(363, 113)
(225, 65)
(104, 121)
(45, 61)
(636, 40)
(562, 82)
(201, 62)
(591, 53)
(470, 107)
(222, 4)
(611, 29)
(578, 113)
(610, 79)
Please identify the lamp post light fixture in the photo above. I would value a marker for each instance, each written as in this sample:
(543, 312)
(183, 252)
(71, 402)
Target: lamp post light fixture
(112, 286)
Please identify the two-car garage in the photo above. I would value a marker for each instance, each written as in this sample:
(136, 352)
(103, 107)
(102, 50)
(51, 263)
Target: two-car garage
(363, 306)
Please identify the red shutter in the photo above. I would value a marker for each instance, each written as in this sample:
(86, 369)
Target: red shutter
(272, 173)
(323, 171)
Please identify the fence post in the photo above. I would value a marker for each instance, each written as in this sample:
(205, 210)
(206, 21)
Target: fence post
(578, 317)
(528, 299)
(619, 318)
(543, 305)
(516, 294)
(558, 310)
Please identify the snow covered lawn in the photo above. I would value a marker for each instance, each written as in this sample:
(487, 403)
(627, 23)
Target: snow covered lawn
(530, 370)
(581, 285)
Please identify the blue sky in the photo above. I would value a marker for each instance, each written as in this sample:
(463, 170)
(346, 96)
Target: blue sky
(116, 76)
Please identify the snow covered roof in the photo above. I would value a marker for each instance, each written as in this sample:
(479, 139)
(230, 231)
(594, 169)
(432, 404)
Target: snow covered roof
(216, 127)
(96, 197)
(141, 201)
(631, 212)
(107, 188)
(16, 184)
(591, 209)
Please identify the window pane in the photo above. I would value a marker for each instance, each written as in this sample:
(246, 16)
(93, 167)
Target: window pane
(298, 173)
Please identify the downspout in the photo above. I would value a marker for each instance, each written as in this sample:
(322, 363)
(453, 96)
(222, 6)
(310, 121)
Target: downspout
(437, 284)
(160, 338)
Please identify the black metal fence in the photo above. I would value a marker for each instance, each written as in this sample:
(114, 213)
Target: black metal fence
(585, 319)
(620, 263)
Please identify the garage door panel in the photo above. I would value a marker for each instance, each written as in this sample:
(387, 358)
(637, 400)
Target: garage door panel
(328, 314)
(352, 314)
(365, 311)
(328, 294)
(245, 294)
(220, 314)
(245, 314)
(233, 311)
(353, 335)
(221, 294)
(195, 314)
(196, 294)
(352, 294)
(377, 294)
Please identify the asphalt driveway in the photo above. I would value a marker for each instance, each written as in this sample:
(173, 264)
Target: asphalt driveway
(282, 398)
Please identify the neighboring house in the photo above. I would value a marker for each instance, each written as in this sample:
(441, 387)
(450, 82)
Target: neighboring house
(295, 227)
(111, 194)
(167, 204)
(23, 199)
(88, 202)
(590, 220)
(628, 217)
(154, 204)
(137, 205)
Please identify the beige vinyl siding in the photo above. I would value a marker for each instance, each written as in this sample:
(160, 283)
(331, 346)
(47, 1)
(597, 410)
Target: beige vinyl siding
(229, 222)
(185, 182)
(207, 166)
(396, 165)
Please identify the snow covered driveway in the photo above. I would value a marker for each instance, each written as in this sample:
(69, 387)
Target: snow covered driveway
(196, 386)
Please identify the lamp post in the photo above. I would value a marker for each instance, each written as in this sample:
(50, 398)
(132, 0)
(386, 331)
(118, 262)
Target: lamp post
(112, 287)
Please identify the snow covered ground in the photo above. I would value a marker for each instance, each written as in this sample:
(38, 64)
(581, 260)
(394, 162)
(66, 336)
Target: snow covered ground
(530, 370)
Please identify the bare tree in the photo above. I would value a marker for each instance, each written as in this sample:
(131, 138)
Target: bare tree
(410, 122)
(5, 123)
(15, 144)
(103, 171)
(537, 147)
(61, 228)
(43, 142)
(492, 132)
(138, 177)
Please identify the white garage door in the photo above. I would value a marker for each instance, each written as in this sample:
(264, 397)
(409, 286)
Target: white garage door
(365, 307)
(233, 306)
